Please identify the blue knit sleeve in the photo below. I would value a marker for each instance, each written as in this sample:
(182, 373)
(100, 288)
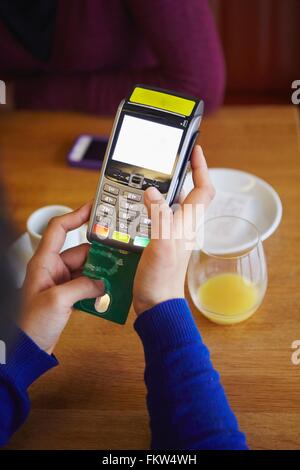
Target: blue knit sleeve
(187, 404)
(25, 362)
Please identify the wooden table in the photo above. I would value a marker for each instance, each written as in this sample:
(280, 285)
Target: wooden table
(95, 399)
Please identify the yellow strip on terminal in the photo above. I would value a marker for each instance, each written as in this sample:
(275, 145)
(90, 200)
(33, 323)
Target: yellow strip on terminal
(160, 100)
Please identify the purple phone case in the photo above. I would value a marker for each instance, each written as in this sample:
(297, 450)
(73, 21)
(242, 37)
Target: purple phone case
(89, 164)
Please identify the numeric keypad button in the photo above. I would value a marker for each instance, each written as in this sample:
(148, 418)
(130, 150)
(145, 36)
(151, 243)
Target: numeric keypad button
(103, 220)
(130, 206)
(109, 188)
(143, 230)
(132, 196)
(145, 220)
(104, 209)
(122, 226)
(109, 199)
(129, 216)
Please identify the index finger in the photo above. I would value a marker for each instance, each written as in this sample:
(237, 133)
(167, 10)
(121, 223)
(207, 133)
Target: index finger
(55, 234)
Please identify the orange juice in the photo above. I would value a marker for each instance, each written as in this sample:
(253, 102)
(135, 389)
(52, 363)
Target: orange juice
(228, 298)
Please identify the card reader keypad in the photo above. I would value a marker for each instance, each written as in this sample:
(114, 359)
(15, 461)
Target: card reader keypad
(122, 216)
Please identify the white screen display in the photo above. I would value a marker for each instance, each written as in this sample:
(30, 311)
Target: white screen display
(147, 144)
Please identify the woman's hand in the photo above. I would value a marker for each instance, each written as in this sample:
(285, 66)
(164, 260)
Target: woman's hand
(54, 283)
(161, 271)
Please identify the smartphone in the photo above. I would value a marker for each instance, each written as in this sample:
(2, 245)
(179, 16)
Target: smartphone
(88, 151)
(150, 145)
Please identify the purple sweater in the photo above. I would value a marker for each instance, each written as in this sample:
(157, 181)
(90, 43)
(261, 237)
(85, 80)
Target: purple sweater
(102, 48)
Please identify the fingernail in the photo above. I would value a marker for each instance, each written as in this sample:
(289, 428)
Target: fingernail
(153, 193)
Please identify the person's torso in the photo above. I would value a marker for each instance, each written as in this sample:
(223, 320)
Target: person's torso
(89, 36)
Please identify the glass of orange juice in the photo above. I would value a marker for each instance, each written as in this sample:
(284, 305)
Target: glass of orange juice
(227, 277)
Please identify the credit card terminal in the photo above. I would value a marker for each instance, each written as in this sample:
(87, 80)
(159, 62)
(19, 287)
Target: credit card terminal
(150, 145)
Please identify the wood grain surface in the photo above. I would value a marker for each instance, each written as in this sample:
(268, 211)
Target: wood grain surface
(95, 399)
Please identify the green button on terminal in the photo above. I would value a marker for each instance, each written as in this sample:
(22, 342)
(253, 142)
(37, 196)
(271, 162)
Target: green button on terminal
(141, 241)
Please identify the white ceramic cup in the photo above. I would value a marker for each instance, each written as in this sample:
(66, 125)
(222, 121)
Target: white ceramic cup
(37, 223)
